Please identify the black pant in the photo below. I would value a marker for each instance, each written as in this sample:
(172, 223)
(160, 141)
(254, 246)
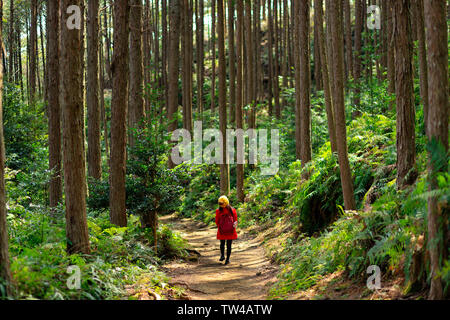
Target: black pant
(222, 248)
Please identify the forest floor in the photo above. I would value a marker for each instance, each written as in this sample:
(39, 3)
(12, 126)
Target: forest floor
(248, 276)
(251, 271)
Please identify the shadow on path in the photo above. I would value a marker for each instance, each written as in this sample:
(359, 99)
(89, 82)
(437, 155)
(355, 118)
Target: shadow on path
(247, 277)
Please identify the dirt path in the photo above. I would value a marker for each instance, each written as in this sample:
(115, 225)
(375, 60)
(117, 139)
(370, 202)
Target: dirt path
(248, 276)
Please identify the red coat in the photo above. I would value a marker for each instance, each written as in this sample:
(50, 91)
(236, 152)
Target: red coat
(219, 213)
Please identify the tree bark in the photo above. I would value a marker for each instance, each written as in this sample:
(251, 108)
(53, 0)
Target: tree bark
(276, 63)
(224, 167)
(199, 55)
(304, 85)
(254, 66)
(339, 106)
(44, 67)
(348, 38)
(108, 45)
(213, 55)
(318, 11)
(54, 107)
(438, 99)
(186, 65)
(119, 106)
(298, 134)
(19, 61)
(5, 272)
(404, 92)
(317, 62)
(93, 106)
(11, 43)
(33, 49)
(422, 53)
(173, 66)
(249, 64)
(239, 94)
(270, 56)
(102, 100)
(136, 96)
(165, 47)
(74, 157)
(232, 61)
(390, 48)
(358, 49)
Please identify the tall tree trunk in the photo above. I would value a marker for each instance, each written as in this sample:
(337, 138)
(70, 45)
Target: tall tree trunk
(317, 62)
(291, 46)
(27, 63)
(19, 61)
(348, 38)
(438, 89)
(102, 100)
(254, 66)
(239, 95)
(358, 49)
(270, 56)
(232, 62)
(33, 49)
(136, 96)
(384, 37)
(187, 65)
(202, 56)
(93, 106)
(146, 59)
(339, 106)
(199, 58)
(224, 167)
(12, 47)
(74, 157)
(184, 57)
(173, 66)
(5, 272)
(83, 78)
(213, 55)
(54, 108)
(276, 63)
(108, 45)
(298, 137)
(422, 58)
(304, 85)
(404, 92)
(44, 67)
(249, 54)
(390, 46)
(165, 47)
(191, 64)
(157, 55)
(318, 11)
(259, 65)
(119, 106)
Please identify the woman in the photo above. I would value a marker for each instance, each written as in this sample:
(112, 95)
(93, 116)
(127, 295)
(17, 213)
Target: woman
(226, 221)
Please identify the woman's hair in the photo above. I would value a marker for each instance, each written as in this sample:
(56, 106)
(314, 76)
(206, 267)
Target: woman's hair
(228, 207)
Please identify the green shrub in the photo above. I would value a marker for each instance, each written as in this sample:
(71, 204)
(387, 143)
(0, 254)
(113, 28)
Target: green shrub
(119, 256)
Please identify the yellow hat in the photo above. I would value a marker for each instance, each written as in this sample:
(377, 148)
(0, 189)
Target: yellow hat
(223, 201)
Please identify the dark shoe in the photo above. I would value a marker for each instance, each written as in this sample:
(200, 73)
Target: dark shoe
(227, 261)
(222, 258)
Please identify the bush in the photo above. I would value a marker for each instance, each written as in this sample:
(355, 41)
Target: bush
(151, 188)
(119, 256)
(25, 130)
